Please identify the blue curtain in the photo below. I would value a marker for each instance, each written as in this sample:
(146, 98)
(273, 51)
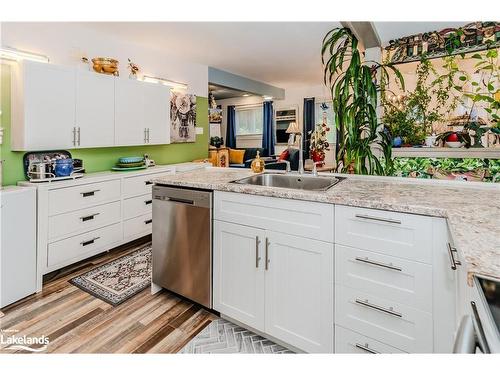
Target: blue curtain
(231, 127)
(309, 124)
(267, 129)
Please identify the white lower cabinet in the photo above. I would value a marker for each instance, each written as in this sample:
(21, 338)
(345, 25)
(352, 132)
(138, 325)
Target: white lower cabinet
(299, 292)
(279, 284)
(239, 273)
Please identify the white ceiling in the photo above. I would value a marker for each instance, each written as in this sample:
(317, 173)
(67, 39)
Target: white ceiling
(284, 54)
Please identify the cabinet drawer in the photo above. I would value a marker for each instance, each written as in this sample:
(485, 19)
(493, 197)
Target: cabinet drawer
(299, 218)
(140, 185)
(82, 196)
(83, 220)
(392, 323)
(138, 226)
(399, 280)
(78, 247)
(347, 341)
(392, 233)
(136, 206)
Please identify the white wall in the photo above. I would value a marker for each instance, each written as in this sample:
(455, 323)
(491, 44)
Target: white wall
(66, 42)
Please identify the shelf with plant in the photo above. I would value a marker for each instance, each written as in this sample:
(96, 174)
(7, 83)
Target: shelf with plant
(448, 168)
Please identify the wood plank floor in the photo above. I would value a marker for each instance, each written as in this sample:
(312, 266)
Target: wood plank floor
(77, 322)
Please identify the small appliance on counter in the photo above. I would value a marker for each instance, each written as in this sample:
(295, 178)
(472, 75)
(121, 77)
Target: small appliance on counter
(47, 166)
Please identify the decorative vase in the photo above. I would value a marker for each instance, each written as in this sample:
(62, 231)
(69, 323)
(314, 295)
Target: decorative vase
(257, 164)
(318, 156)
(397, 142)
(63, 167)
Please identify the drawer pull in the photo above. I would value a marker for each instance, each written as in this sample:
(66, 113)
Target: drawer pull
(89, 242)
(149, 201)
(376, 218)
(454, 262)
(389, 310)
(366, 348)
(89, 193)
(379, 264)
(149, 221)
(89, 217)
(148, 182)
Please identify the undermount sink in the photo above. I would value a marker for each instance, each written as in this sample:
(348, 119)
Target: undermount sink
(291, 181)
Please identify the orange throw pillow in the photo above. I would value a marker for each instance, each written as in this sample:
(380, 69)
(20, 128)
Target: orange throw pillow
(236, 156)
(284, 155)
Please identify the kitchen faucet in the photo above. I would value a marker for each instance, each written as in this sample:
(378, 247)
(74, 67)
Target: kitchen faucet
(301, 156)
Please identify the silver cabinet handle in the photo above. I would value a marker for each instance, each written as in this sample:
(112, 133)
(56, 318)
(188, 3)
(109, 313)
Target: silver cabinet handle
(89, 217)
(454, 262)
(257, 257)
(148, 134)
(145, 135)
(78, 132)
(378, 264)
(89, 242)
(267, 254)
(389, 310)
(376, 218)
(89, 193)
(366, 348)
(74, 135)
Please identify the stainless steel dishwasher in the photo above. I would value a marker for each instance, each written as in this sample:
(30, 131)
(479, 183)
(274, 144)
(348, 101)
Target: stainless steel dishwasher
(182, 242)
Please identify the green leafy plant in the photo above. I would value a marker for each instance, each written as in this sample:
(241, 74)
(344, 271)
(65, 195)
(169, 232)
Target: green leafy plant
(354, 91)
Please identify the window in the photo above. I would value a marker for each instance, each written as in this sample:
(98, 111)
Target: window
(249, 120)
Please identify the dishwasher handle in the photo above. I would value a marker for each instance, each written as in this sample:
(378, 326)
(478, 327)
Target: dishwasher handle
(179, 200)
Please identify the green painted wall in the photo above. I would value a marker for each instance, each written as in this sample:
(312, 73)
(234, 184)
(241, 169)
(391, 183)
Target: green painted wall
(100, 159)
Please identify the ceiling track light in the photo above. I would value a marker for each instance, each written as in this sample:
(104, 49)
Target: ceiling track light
(166, 82)
(13, 54)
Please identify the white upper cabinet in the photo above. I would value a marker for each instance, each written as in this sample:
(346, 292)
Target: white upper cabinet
(43, 104)
(157, 113)
(130, 128)
(58, 107)
(95, 105)
(142, 113)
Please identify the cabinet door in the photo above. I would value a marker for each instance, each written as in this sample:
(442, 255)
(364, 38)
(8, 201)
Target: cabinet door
(47, 97)
(95, 109)
(299, 292)
(129, 113)
(157, 113)
(238, 287)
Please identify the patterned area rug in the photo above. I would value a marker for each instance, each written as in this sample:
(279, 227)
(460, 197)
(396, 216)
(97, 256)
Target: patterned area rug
(117, 281)
(222, 336)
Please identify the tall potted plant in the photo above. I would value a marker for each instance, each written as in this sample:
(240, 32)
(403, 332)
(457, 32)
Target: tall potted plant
(354, 90)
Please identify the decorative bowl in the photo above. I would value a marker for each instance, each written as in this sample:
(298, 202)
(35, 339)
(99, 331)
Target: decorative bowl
(454, 144)
(105, 65)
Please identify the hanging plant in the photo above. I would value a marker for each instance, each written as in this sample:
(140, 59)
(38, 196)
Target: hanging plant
(354, 91)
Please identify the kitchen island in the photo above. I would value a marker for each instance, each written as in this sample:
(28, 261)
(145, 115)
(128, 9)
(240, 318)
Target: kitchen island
(369, 265)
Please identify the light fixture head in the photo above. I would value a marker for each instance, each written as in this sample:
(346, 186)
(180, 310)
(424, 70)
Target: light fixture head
(266, 97)
(166, 82)
(293, 128)
(246, 94)
(13, 54)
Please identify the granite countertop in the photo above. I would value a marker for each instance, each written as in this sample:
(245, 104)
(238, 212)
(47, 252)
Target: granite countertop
(473, 212)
